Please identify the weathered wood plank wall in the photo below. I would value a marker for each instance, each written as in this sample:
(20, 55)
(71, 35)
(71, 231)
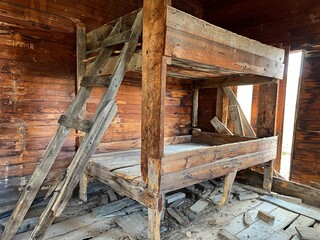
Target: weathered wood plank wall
(38, 69)
(292, 23)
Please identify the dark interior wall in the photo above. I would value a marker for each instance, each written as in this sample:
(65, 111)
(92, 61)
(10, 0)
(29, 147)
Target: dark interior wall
(294, 23)
(37, 62)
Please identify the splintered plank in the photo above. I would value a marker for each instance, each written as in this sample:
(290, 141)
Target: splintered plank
(293, 207)
(112, 207)
(261, 229)
(308, 233)
(128, 173)
(302, 221)
(236, 225)
(134, 225)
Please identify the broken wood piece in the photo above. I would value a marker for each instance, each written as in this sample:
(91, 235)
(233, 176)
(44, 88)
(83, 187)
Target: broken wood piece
(177, 215)
(247, 219)
(199, 206)
(112, 196)
(267, 217)
(228, 182)
(112, 207)
(292, 207)
(226, 235)
(287, 198)
(236, 120)
(134, 225)
(174, 197)
(219, 126)
(177, 203)
(247, 196)
(308, 233)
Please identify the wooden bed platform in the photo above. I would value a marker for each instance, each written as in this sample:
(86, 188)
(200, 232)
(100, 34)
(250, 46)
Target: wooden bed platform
(179, 45)
(208, 156)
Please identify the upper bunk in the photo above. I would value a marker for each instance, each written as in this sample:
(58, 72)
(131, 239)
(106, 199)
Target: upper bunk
(198, 50)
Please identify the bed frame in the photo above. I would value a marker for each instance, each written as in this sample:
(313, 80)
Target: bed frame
(180, 45)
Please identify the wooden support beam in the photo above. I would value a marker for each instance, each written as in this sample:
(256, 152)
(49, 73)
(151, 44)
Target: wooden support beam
(233, 101)
(154, 219)
(220, 127)
(117, 39)
(228, 182)
(195, 107)
(281, 99)
(81, 71)
(154, 66)
(236, 119)
(98, 81)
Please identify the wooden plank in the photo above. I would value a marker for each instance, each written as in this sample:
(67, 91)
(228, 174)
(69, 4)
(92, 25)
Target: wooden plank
(211, 138)
(181, 219)
(308, 233)
(280, 234)
(187, 23)
(235, 80)
(112, 207)
(124, 187)
(177, 161)
(261, 229)
(117, 39)
(248, 196)
(208, 54)
(220, 127)
(224, 234)
(287, 198)
(236, 120)
(99, 81)
(76, 123)
(268, 218)
(199, 205)
(302, 221)
(233, 101)
(134, 225)
(187, 177)
(292, 207)
(228, 182)
(281, 98)
(309, 195)
(195, 106)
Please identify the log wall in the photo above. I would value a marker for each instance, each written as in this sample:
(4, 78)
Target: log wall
(37, 75)
(293, 23)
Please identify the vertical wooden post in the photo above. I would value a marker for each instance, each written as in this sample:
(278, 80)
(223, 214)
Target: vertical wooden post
(195, 106)
(81, 71)
(154, 66)
(228, 182)
(281, 100)
(266, 123)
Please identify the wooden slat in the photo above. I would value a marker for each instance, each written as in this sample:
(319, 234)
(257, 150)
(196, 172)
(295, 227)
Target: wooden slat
(76, 123)
(187, 177)
(99, 81)
(192, 158)
(236, 120)
(207, 53)
(195, 105)
(190, 24)
(233, 101)
(281, 98)
(211, 138)
(292, 207)
(117, 39)
(220, 127)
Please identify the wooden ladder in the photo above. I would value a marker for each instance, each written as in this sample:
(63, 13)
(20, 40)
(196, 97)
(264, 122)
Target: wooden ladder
(94, 130)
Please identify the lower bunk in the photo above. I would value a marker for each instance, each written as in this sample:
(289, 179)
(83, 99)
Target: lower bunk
(207, 156)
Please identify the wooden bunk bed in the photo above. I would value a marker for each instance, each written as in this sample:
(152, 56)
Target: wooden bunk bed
(173, 44)
(190, 48)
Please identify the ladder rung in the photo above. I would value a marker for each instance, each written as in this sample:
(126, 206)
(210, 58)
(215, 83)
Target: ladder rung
(76, 123)
(117, 39)
(99, 81)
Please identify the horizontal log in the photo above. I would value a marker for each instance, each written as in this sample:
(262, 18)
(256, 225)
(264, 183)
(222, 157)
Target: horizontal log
(211, 138)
